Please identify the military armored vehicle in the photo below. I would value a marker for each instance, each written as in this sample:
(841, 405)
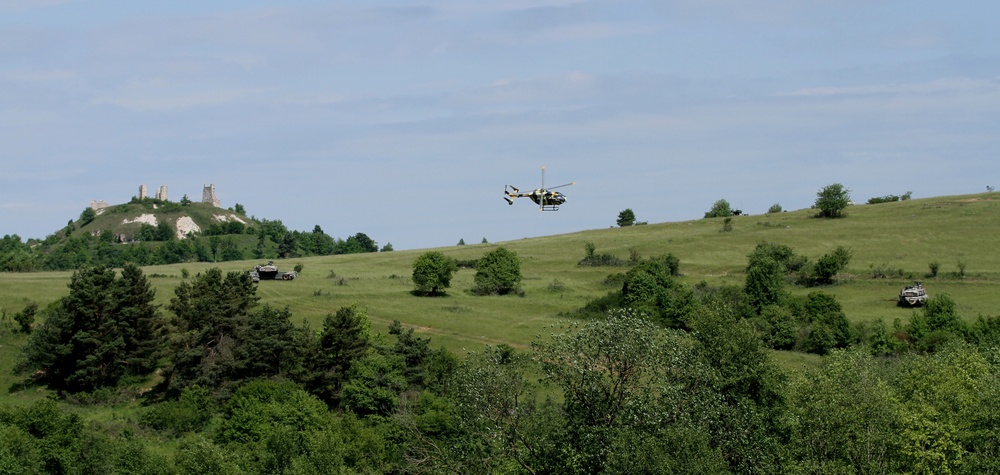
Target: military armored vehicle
(913, 295)
(269, 271)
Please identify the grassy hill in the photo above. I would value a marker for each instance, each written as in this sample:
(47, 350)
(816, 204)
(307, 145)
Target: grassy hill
(126, 219)
(901, 239)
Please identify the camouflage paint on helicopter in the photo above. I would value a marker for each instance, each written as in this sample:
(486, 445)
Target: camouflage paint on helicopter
(545, 198)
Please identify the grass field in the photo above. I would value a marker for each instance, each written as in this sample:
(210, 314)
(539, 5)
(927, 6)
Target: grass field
(957, 232)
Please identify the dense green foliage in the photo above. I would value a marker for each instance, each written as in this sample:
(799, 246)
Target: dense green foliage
(107, 328)
(720, 209)
(626, 218)
(498, 273)
(913, 391)
(432, 272)
(101, 239)
(831, 200)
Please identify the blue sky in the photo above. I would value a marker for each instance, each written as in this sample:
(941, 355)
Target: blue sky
(404, 120)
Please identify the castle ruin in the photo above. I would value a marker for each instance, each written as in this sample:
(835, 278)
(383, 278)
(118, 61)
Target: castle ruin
(142, 192)
(208, 196)
(161, 193)
(98, 205)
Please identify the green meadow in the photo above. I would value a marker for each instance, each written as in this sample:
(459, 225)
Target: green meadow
(892, 244)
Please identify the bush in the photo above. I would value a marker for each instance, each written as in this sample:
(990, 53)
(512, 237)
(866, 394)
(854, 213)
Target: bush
(832, 200)
(190, 413)
(26, 317)
(720, 209)
(498, 273)
(775, 208)
(883, 199)
(432, 272)
(626, 218)
(934, 267)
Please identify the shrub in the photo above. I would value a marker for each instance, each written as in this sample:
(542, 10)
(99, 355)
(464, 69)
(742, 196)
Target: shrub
(598, 260)
(626, 218)
(720, 209)
(775, 208)
(832, 200)
(883, 199)
(26, 317)
(885, 271)
(727, 225)
(498, 273)
(190, 413)
(934, 266)
(432, 272)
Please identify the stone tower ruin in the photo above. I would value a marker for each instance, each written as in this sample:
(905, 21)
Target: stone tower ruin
(161, 193)
(142, 192)
(208, 196)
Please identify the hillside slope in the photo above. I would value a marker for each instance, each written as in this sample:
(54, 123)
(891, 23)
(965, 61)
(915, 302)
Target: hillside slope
(125, 220)
(900, 239)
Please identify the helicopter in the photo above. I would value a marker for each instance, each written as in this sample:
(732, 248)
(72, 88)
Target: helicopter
(545, 198)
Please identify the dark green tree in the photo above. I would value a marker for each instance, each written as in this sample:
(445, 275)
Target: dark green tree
(87, 216)
(720, 209)
(143, 334)
(269, 345)
(432, 272)
(367, 243)
(26, 317)
(497, 273)
(345, 338)
(832, 200)
(765, 280)
(231, 250)
(288, 246)
(650, 287)
(104, 330)
(210, 311)
(626, 218)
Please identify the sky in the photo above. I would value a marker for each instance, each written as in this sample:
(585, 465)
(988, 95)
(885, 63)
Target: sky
(405, 120)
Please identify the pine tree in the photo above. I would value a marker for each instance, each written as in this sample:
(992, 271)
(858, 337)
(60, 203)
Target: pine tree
(105, 329)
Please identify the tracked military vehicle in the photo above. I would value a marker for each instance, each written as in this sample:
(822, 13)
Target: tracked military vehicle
(913, 295)
(270, 271)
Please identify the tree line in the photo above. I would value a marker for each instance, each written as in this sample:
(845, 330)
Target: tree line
(158, 245)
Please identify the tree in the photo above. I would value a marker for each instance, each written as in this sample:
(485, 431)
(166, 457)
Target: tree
(651, 287)
(765, 281)
(720, 209)
(26, 317)
(626, 218)
(832, 200)
(345, 338)
(775, 208)
(210, 311)
(432, 272)
(497, 273)
(847, 417)
(624, 379)
(104, 330)
(364, 242)
(87, 216)
(287, 246)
